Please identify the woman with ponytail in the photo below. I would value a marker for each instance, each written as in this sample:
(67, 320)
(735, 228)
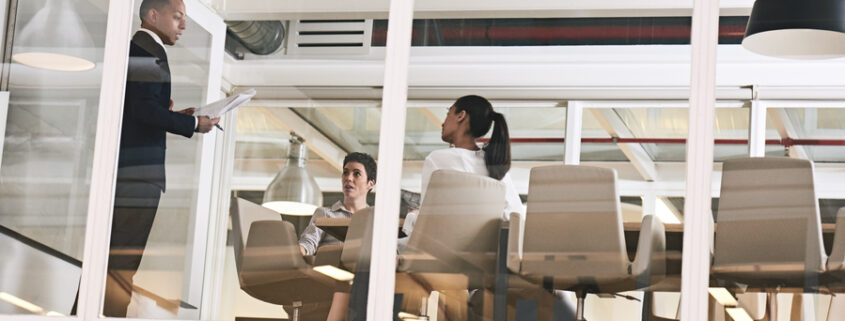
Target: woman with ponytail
(470, 118)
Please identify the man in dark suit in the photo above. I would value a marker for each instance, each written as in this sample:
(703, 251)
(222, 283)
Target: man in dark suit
(147, 117)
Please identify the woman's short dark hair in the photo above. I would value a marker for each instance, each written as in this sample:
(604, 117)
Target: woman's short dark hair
(363, 159)
(497, 152)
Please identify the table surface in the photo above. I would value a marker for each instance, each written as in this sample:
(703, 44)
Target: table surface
(337, 226)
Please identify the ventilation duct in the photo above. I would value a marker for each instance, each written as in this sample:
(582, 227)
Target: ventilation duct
(259, 37)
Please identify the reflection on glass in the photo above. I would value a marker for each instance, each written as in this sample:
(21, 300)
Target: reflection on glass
(154, 270)
(50, 121)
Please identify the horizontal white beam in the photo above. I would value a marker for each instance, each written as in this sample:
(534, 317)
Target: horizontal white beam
(641, 72)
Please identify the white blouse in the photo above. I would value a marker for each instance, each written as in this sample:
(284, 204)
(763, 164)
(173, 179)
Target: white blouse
(464, 160)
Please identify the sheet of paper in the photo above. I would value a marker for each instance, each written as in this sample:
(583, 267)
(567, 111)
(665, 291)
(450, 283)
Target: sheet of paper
(220, 107)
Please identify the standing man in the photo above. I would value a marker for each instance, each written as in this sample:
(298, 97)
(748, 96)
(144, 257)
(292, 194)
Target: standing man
(147, 117)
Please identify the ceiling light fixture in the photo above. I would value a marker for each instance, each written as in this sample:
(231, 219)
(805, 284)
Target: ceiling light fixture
(54, 39)
(294, 191)
(796, 29)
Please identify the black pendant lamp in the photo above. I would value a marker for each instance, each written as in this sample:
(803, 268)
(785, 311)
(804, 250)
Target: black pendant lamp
(802, 29)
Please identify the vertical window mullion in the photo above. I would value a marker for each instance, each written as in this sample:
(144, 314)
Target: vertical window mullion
(572, 141)
(391, 147)
(107, 141)
(698, 221)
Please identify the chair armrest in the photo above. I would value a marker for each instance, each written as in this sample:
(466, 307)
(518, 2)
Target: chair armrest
(836, 261)
(515, 237)
(328, 255)
(650, 261)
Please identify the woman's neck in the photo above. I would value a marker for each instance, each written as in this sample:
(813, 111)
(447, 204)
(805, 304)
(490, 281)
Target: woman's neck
(465, 142)
(356, 204)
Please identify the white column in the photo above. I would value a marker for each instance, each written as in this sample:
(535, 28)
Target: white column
(197, 251)
(698, 222)
(649, 203)
(391, 146)
(106, 144)
(572, 141)
(757, 129)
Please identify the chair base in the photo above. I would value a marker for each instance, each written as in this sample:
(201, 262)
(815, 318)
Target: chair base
(579, 308)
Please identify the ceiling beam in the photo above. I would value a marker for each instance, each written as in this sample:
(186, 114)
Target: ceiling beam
(615, 127)
(315, 140)
(783, 124)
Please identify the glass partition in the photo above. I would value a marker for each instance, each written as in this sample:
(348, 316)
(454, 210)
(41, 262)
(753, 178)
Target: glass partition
(542, 72)
(160, 220)
(794, 174)
(51, 85)
(324, 123)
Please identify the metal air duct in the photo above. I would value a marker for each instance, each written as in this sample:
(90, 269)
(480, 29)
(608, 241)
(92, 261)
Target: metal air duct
(259, 37)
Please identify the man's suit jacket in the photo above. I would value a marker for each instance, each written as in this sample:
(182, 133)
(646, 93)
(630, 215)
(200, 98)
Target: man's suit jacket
(146, 114)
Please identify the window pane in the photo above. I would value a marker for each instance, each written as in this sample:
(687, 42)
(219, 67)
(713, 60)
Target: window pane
(337, 117)
(155, 263)
(50, 123)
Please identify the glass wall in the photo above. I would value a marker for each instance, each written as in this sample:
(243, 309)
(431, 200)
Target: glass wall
(597, 171)
(160, 220)
(51, 83)
(785, 191)
(543, 74)
(325, 124)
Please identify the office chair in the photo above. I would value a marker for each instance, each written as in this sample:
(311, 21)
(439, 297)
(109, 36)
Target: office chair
(769, 233)
(572, 237)
(270, 265)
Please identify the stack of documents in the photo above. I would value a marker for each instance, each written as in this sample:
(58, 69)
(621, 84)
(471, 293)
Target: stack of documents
(220, 107)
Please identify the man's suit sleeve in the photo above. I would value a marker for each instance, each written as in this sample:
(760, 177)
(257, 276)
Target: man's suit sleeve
(145, 108)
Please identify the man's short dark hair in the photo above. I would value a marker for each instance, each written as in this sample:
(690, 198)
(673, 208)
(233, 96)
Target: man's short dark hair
(363, 159)
(146, 5)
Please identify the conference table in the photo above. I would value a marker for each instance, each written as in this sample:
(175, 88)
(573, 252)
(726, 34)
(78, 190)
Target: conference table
(337, 227)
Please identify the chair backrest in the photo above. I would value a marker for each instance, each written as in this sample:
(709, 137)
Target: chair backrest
(274, 242)
(768, 216)
(574, 218)
(459, 220)
(359, 237)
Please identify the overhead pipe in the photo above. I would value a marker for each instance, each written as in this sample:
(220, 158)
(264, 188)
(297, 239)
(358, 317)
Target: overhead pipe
(559, 31)
(259, 37)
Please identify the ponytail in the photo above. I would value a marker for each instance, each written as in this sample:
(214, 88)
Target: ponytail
(497, 152)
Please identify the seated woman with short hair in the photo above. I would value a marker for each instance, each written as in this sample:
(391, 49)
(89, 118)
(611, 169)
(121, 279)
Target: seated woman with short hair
(358, 178)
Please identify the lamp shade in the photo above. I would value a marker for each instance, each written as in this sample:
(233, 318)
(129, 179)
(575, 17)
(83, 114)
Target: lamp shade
(294, 191)
(55, 39)
(803, 29)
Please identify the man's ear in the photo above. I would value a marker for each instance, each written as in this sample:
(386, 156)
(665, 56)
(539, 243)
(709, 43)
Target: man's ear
(371, 184)
(152, 16)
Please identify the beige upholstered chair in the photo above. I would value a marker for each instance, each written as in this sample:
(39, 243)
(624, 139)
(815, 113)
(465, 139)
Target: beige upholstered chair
(270, 265)
(453, 244)
(356, 258)
(769, 230)
(572, 236)
(359, 237)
